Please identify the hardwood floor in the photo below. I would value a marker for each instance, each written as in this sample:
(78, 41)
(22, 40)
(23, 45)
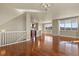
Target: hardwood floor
(45, 45)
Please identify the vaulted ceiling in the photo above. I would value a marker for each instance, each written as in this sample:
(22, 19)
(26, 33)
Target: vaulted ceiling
(55, 10)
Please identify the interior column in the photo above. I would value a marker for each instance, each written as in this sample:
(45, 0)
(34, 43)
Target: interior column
(28, 25)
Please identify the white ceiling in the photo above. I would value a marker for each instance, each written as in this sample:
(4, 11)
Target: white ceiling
(55, 10)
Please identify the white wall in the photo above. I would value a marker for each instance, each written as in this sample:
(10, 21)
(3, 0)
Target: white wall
(7, 14)
(16, 24)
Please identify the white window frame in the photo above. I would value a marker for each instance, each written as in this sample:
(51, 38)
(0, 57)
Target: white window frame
(71, 25)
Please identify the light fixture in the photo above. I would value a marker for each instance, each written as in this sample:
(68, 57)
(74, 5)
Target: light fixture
(45, 6)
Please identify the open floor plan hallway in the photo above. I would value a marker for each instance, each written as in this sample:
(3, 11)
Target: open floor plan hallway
(43, 46)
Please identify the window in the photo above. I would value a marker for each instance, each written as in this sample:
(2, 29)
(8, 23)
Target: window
(62, 25)
(74, 25)
(48, 26)
(68, 24)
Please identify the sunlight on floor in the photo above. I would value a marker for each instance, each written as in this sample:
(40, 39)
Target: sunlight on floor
(68, 48)
(48, 39)
(3, 52)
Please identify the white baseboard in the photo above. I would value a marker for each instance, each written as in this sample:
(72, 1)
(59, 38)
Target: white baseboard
(14, 43)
